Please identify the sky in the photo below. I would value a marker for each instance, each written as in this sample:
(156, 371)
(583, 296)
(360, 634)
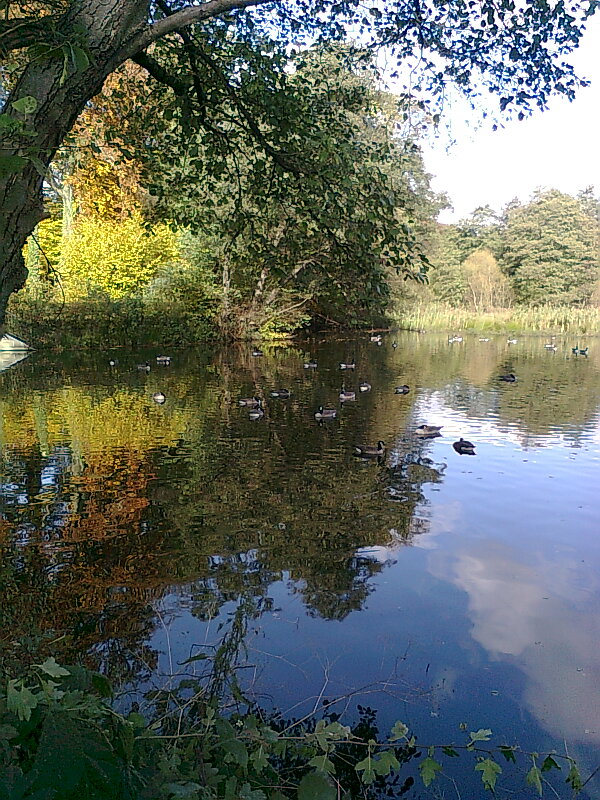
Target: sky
(557, 149)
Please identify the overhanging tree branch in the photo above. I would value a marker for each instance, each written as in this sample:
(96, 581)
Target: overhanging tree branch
(182, 19)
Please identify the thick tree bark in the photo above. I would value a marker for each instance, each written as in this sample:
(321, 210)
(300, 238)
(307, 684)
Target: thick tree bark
(115, 30)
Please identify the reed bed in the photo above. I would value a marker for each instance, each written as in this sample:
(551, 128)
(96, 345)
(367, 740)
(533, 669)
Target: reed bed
(543, 319)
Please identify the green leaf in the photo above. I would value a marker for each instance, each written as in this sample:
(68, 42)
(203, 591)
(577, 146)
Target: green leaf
(534, 778)
(10, 164)
(482, 735)
(25, 105)
(385, 763)
(399, 731)
(7, 732)
(315, 786)
(489, 772)
(429, 768)
(574, 778)
(366, 767)
(50, 667)
(449, 751)
(549, 763)
(79, 58)
(322, 763)
(20, 700)
(508, 753)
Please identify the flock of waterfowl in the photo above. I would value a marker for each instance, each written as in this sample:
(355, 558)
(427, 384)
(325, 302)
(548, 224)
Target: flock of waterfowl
(323, 413)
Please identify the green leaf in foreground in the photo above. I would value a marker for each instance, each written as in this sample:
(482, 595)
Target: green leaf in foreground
(315, 786)
(25, 105)
(534, 778)
(574, 778)
(489, 772)
(549, 763)
(20, 700)
(429, 768)
(508, 753)
(50, 667)
(399, 731)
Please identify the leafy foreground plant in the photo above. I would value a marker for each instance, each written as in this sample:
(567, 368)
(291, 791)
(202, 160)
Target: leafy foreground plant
(60, 738)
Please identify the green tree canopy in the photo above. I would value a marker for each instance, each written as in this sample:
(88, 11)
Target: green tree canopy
(551, 250)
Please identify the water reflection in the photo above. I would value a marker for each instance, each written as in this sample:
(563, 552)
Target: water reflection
(111, 502)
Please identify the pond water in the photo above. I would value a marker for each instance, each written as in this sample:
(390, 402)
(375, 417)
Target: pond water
(449, 589)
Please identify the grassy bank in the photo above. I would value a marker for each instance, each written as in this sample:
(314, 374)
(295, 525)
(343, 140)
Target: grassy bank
(543, 319)
(102, 323)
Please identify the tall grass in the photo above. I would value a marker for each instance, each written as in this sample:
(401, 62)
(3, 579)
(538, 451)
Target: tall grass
(543, 319)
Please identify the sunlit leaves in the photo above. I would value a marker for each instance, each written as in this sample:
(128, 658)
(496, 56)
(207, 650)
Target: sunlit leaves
(429, 769)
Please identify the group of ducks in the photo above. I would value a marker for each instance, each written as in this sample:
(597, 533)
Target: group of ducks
(255, 404)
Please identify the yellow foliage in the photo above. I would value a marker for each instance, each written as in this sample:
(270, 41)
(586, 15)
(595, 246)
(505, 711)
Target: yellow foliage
(487, 286)
(104, 189)
(116, 258)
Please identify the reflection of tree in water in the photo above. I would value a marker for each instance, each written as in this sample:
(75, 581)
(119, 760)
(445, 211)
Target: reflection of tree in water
(110, 502)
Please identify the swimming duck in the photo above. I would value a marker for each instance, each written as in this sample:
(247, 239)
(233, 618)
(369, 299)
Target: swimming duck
(325, 413)
(258, 412)
(345, 396)
(256, 353)
(452, 339)
(402, 389)
(551, 346)
(376, 338)
(163, 360)
(464, 448)
(584, 352)
(369, 451)
(283, 394)
(510, 378)
(310, 365)
(348, 365)
(113, 362)
(484, 339)
(511, 341)
(394, 345)
(429, 430)
(249, 402)
(145, 367)
(159, 398)
(364, 387)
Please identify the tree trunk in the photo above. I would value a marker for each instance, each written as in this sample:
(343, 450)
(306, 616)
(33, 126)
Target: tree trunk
(60, 99)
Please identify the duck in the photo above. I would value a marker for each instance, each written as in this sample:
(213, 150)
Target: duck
(429, 430)
(345, 396)
(369, 451)
(402, 389)
(159, 398)
(283, 394)
(575, 350)
(364, 387)
(551, 346)
(257, 352)
(112, 362)
(464, 448)
(257, 413)
(394, 345)
(375, 338)
(484, 339)
(310, 365)
(325, 413)
(452, 339)
(249, 402)
(510, 378)
(511, 341)
(163, 360)
(584, 352)
(348, 365)
(145, 367)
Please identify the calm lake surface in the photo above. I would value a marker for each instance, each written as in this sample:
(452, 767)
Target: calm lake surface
(451, 589)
